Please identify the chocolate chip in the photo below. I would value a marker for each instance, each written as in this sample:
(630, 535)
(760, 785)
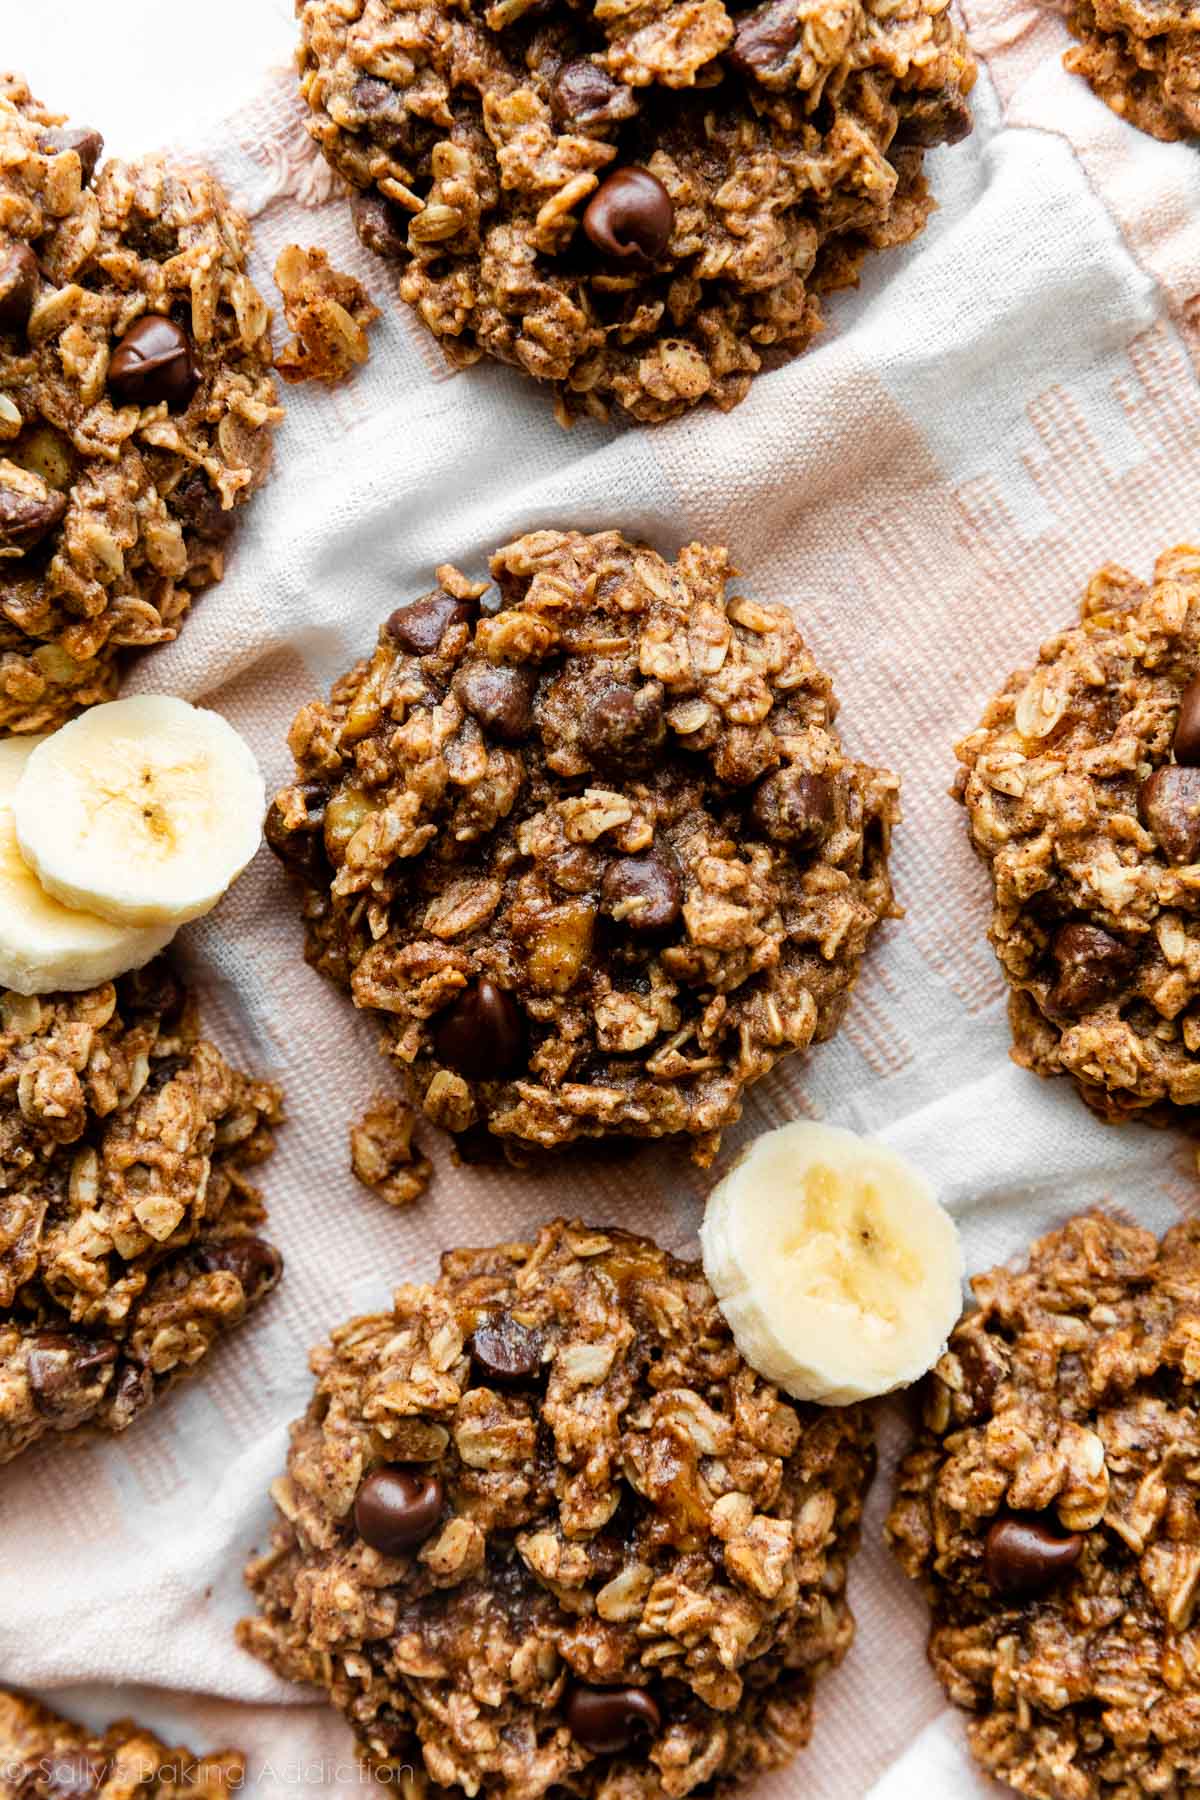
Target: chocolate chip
(620, 725)
(421, 626)
(68, 1374)
(981, 1376)
(18, 286)
(766, 38)
(155, 989)
(164, 1070)
(643, 892)
(500, 698)
(382, 228)
(1169, 802)
(482, 1034)
(630, 217)
(129, 1395)
(257, 1265)
(941, 118)
(793, 807)
(1187, 725)
(397, 1506)
(372, 96)
(1093, 966)
(393, 126)
(302, 847)
(153, 362)
(196, 504)
(27, 514)
(88, 146)
(607, 1720)
(584, 94)
(1023, 1557)
(504, 1351)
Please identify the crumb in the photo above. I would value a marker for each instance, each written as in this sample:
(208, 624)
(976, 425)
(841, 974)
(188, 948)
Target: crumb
(382, 1154)
(329, 311)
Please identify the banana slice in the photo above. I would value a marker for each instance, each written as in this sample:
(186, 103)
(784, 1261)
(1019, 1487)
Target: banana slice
(837, 1270)
(142, 810)
(46, 948)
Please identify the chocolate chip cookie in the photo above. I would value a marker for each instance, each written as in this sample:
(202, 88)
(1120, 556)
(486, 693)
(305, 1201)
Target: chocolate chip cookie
(45, 1757)
(1082, 790)
(636, 204)
(542, 1530)
(1050, 1508)
(1142, 59)
(127, 1217)
(586, 843)
(136, 405)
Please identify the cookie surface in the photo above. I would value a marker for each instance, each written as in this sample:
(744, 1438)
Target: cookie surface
(1089, 821)
(634, 204)
(46, 1757)
(1142, 59)
(587, 843)
(127, 1218)
(136, 405)
(617, 1558)
(1050, 1508)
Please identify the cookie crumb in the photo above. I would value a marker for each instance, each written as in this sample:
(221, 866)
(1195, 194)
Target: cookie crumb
(328, 310)
(382, 1154)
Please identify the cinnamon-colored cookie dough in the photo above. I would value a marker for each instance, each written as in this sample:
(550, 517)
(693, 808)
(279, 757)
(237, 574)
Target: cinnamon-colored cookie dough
(587, 844)
(543, 1531)
(136, 404)
(1050, 1509)
(1082, 791)
(128, 1221)
(635, 204)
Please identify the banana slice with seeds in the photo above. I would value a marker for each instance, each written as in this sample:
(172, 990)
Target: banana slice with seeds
(839, 1273)
(46, 947)
(142, 811)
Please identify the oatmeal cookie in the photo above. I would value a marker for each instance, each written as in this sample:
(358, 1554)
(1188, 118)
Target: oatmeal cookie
(587, 843)
(1050, 1508)
(136, 405)
(45, 1757)
(543, 1529)
(1142, 57)
(1082, 790)
(127, 1217)
(633, 203)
